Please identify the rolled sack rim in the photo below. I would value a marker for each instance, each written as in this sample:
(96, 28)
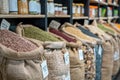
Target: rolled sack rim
(12, 54)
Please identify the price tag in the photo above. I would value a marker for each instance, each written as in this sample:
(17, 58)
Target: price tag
(4, 24)
(66, 58)
(100, 50)
(86, 22)
(68, 76)
(116, 56)
(44, 69)
(81, 56)
(54, 24)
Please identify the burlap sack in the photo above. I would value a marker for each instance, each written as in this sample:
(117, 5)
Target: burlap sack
(77, 67)
(116, 57)
(21, 65)
(107, 61)
(54, 53)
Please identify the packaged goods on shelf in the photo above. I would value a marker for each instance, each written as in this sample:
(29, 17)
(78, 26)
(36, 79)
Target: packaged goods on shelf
(78, 10)
(4, 6)
(50, 7)
(115, 12)
(109, 11)
(32, 6)
(110, 1)
(103, 12)
(13, 6)
(93, 11)
(23, 7)
(17, 53)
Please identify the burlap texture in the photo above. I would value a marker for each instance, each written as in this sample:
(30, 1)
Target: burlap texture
(21, 65)
(107, 61)
(77, 67)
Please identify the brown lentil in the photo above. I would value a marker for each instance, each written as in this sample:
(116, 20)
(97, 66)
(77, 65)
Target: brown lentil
(15, 42)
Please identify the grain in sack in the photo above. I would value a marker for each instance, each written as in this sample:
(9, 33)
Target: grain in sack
(58, 64)
(20, 59)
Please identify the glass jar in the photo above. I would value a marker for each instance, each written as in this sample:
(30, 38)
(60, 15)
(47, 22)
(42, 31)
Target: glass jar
(23, 6)
(56, 8)
(74, 10)
(4, 6)
(38, 7)
(64, 10)
(79, 10)
(13, 6)
(33, 7)
(82, 10)
(60, 9)
(50, 7)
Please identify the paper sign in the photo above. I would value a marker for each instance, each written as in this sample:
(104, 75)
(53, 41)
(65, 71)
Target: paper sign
(66, 58)
(116, 56)
(86, 22)
(54, 24)
(81, 56)
(68, 76)
(4, 24)
(44, 69)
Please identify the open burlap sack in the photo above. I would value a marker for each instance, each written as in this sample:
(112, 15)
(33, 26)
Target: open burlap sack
(77, 66)
(21, 65)
(107, 61)
(54, 53)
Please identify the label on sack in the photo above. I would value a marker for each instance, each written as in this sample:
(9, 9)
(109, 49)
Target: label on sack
(68, 76)
(44, 69)
(66, 58)
(54, 24)
(100, 50)
(116, 56)
(86, 22)
(4, 24)
(81, 56)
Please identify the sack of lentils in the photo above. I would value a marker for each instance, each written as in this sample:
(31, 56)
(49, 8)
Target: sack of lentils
(20, 59)
(58, 60)
(31, 31)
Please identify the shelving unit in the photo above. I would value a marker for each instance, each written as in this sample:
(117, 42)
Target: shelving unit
(43, 20)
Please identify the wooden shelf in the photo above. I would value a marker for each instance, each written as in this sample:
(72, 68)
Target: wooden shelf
(103, 18)
(116, 17)
(94, 2)
(77, 18)
(58, 16)
(110, 17)
(111, 4)
(103, 3)
(93, 18)
(21, 16)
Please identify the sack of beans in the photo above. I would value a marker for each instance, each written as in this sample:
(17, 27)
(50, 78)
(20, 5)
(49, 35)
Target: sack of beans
(34, 32)
(73, 31)
(20, 59)
(58, 60)
(4, 6)
(77, 65)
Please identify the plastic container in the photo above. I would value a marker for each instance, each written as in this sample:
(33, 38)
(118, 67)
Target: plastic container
(33, 7)
(93, 11)
(38, 7)
(4, 6)
(56, 8)
(65, 11)
(23, 7)
(50, 7)
(13, 6)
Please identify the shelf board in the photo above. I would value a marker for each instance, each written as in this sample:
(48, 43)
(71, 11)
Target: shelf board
(94, 2)
(21, 16)
(103, 18)
(111, 4)
(116, 17)
(82, 17)
(110, 17)
(58, 16)
(103, 3)
(93, 18)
